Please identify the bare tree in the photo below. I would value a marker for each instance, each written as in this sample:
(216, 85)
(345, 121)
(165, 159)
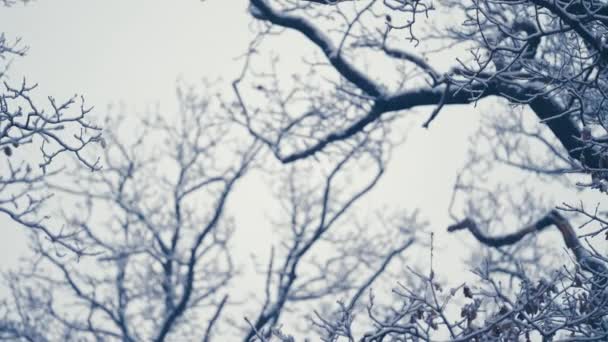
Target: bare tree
(154, 216)
(375, 59)
(32, 138)
(526, 61)
(327, 254)
(164, 269)
(164, 266)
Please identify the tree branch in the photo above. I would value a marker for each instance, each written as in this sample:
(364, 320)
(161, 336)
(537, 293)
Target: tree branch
(553, 218)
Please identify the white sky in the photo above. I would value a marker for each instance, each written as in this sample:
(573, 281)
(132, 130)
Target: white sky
(125, 50)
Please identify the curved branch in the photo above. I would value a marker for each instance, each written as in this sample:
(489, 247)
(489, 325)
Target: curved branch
(553, 218)
(264, 11)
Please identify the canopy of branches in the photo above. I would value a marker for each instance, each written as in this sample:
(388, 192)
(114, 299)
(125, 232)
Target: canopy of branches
(142, 244)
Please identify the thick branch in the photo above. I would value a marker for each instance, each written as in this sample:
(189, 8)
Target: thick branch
(553, 218)
(264, 11)
(503, 240)
(548, 110)
(400, 101)
(565, 130)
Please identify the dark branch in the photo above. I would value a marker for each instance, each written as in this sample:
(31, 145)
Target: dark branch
(553, 218)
